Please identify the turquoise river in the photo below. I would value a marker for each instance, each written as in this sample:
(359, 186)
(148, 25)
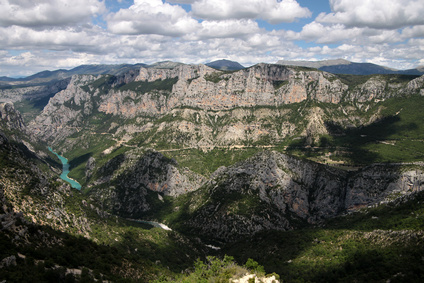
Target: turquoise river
(65, 171)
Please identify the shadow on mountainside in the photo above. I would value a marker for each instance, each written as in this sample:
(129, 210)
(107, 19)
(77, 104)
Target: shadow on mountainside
(79, 160)
(362, 247)
(381, 141)
(368, 144)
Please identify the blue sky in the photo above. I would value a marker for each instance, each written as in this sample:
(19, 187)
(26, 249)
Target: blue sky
(53, 34)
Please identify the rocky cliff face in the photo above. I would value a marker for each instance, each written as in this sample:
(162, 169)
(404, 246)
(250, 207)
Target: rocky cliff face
(64, 113)
(203, 87)
(10, 118)
(155, 92)
(31, 92)
(135, 178)
(279, 192)
(198, 107)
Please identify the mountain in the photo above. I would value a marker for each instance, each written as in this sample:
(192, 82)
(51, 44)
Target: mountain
(6, 79)
(315, 64)
(225, 65)
(274, 191)
(417, 71)
(61, 74)
(164, 65)
(240, 165)
(341, 66)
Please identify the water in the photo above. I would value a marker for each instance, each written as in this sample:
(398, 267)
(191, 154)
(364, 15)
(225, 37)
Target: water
(154, 224)
(65, 171)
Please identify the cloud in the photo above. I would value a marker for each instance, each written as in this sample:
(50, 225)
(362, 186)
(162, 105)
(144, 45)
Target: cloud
(47, 34)
(48, 12)
(323, 34)
(17, 37)
(269, 10)
(181, 1)
(415, 31)
(339, 34)
(378, 14)
(152, 17)
(225, 28)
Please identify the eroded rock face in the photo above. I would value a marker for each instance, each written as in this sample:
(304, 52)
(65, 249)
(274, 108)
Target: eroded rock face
(31, 92)
(64, 114)
(258, 85)
(135, 177)
(10, 118)
(205, 89)
(275, 191)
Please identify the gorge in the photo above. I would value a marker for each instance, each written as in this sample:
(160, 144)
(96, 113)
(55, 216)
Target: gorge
(309, 173)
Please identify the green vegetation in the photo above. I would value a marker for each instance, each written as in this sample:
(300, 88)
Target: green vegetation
(217, 270)
(100, 86)
(207, 162)
(144, 86)
(354, 80)
(214, 77)
(378, 244)
(395, 137)
(375, 245)
(278, 84)
(127, 253)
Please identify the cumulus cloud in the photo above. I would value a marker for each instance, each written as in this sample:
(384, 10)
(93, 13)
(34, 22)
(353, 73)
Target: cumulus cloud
(325, 34)
(181, 1)
(415, 31)
(379, 14)
(272, 11)
(47, 34)
(338, 33)
(48, 12)
(152, 17)
(88, 40)
(226, 28)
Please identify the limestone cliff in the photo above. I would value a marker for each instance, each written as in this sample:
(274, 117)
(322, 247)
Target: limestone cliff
(201, 87)
(155, 92)
(135, 178)
(31, 92)
(10, 118)
(278, 192)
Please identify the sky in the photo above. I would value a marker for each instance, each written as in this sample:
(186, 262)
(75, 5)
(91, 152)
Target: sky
(37, 35)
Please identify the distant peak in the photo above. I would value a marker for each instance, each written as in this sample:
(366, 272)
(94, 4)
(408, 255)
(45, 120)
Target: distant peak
(315, 64)
(225, 65)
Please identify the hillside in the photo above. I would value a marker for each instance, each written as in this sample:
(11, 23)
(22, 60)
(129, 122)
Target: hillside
(290, 157)
(341, 66)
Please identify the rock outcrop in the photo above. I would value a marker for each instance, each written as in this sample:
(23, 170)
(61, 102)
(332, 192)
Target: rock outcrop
(135, 178)
(10, 118)
(278, 192)
(200, 87)
(13, 95)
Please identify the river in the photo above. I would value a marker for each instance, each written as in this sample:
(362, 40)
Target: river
(74, 184)
(154, 224)
(65, 171)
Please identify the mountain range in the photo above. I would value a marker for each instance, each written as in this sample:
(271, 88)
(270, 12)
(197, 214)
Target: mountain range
(338, 66)
(341, 66)
(290, 170)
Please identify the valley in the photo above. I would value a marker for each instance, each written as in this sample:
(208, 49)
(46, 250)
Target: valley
(290, 171)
